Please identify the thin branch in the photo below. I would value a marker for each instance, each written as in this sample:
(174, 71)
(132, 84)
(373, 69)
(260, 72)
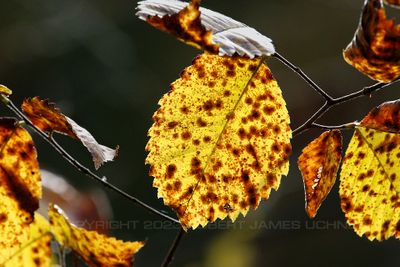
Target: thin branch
(304, 76)
(350, 125)
(170, 256)
(83, 169)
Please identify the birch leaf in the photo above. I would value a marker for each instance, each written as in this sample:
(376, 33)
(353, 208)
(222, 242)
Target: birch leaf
(36, 251)
(95, 249)
(220, 141)
(369, 180)
(48, 118)
(375, 48)
(319, 163)
(204, 28)
(20, 186)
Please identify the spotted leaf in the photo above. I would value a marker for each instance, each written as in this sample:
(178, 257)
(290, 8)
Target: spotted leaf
(20, 186)
(48, 118)
(375, 48)
(36, 251)
(95, 249)
(369, 180)
(204, 29)
(319, 163)
(220, 141)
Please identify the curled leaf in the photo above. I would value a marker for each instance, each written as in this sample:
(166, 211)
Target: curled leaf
(36, 251)
(20, 185)
(4, 90)
(319, 163)
(48, 118)
(369, 180)
(220, 141)
(204, 28)
(95, 249)
(375, 48)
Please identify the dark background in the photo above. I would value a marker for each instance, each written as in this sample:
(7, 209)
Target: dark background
(107, 69)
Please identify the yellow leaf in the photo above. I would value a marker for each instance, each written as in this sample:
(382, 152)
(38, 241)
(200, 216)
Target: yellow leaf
(36, 251)
(375, 48)
(319, 163)
(4, 90)
(20, 186)
(220, 141)
(95, 249)
(370, 180)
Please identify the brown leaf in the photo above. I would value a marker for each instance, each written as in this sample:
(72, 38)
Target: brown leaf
(48, 118)
(375, 49)
(95, 249)
(20, 185)
(394, 3)
(204, 28)
(385, 118)
(319, 163)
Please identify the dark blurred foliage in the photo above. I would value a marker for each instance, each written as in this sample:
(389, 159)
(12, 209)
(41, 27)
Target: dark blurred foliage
(106, 69)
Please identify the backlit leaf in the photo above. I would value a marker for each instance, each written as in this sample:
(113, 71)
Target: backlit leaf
(36, 251)
(204, 28)
(370, 180)
(220, 141)
(95, 249)
(375, 49)
(20, 186)
(319, 163)
(4, 90)
(49, 118)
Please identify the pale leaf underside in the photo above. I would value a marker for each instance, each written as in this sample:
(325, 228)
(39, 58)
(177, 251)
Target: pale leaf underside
(230, 35)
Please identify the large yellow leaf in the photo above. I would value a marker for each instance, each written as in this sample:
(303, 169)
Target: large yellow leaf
(370, 179)
(36, 251)
(95, 249)
(375, 48)
(220, 141)
(319, 163)
(20, 186)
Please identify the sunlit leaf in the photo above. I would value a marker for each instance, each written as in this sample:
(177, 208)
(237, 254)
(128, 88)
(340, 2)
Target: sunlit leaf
(220, 141)
(204, 28)
(319, 163)
(36, 251)
(95, 249)
(20, 186)
(375, 49)
(4, 90)
(370, 179)
(49, 118)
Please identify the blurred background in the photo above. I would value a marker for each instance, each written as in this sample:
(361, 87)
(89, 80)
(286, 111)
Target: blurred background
(107, 69)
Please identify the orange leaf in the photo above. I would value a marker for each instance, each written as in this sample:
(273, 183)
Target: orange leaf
(375, 49)
(20, 185)
(394, 3)
(385, 118)
(319, 163)
(94, 248)
(48, 118)
(204, 28)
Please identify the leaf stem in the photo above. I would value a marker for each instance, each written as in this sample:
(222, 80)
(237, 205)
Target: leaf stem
(346, 126)
(80, 167)
(170, 256)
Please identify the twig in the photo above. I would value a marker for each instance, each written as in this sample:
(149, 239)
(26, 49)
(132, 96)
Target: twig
(83, 169)
(329, 101)
(304, 76)
(350, 125)
(170, 256)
